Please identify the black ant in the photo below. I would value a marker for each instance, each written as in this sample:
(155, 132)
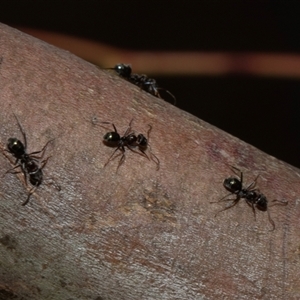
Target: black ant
(129, 140)
(143, 81)
(252, 196)
(28, 162)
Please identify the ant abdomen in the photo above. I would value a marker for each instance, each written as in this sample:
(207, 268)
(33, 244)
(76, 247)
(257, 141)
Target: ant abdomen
(142, 141)
(36, 178)
(262, 202)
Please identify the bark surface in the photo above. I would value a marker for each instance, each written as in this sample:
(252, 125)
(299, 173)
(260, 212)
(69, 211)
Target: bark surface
(89, 232)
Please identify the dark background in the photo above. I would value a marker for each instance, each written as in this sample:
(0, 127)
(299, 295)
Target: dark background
(263, 111)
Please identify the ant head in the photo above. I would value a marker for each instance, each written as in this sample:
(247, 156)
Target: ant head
(15, 146)
(232, 184)
(262, 203)
(123, 70)
(111, 139)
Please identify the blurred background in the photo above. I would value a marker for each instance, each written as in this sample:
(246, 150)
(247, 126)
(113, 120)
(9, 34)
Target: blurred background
(235, 65)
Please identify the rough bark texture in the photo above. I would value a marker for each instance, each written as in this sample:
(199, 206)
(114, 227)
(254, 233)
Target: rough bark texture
(138, 233)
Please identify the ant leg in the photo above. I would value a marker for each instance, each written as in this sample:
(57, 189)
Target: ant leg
(110, 158)
(279, 202)
(22, 131)
(57, 186)
(128, 129)
(156, 160)
(174, 98)
(41, 151)
(143, 152)
(253, 209)
(44, 162)
(234, 170)
(223, 199)
(252, 185)
(113, 125)
(148, 132)
(29, 195)
(271, 221)
(17, 172)
(235, 202)
(121, 161)
(115, 129)
(130, 123)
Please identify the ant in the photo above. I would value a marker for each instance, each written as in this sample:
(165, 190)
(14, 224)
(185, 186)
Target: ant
(252, 196)
(28, 162)
(129, 140)
(143, 81)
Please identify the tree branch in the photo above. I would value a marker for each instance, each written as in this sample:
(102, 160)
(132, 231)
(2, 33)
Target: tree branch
(137, 233)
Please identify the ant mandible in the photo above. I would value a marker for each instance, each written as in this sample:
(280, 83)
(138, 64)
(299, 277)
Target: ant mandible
(129, 140)
(252, 196)
(28, 162)
(143, 81)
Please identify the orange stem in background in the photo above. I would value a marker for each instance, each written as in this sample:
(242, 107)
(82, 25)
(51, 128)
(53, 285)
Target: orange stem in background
(176, 63)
